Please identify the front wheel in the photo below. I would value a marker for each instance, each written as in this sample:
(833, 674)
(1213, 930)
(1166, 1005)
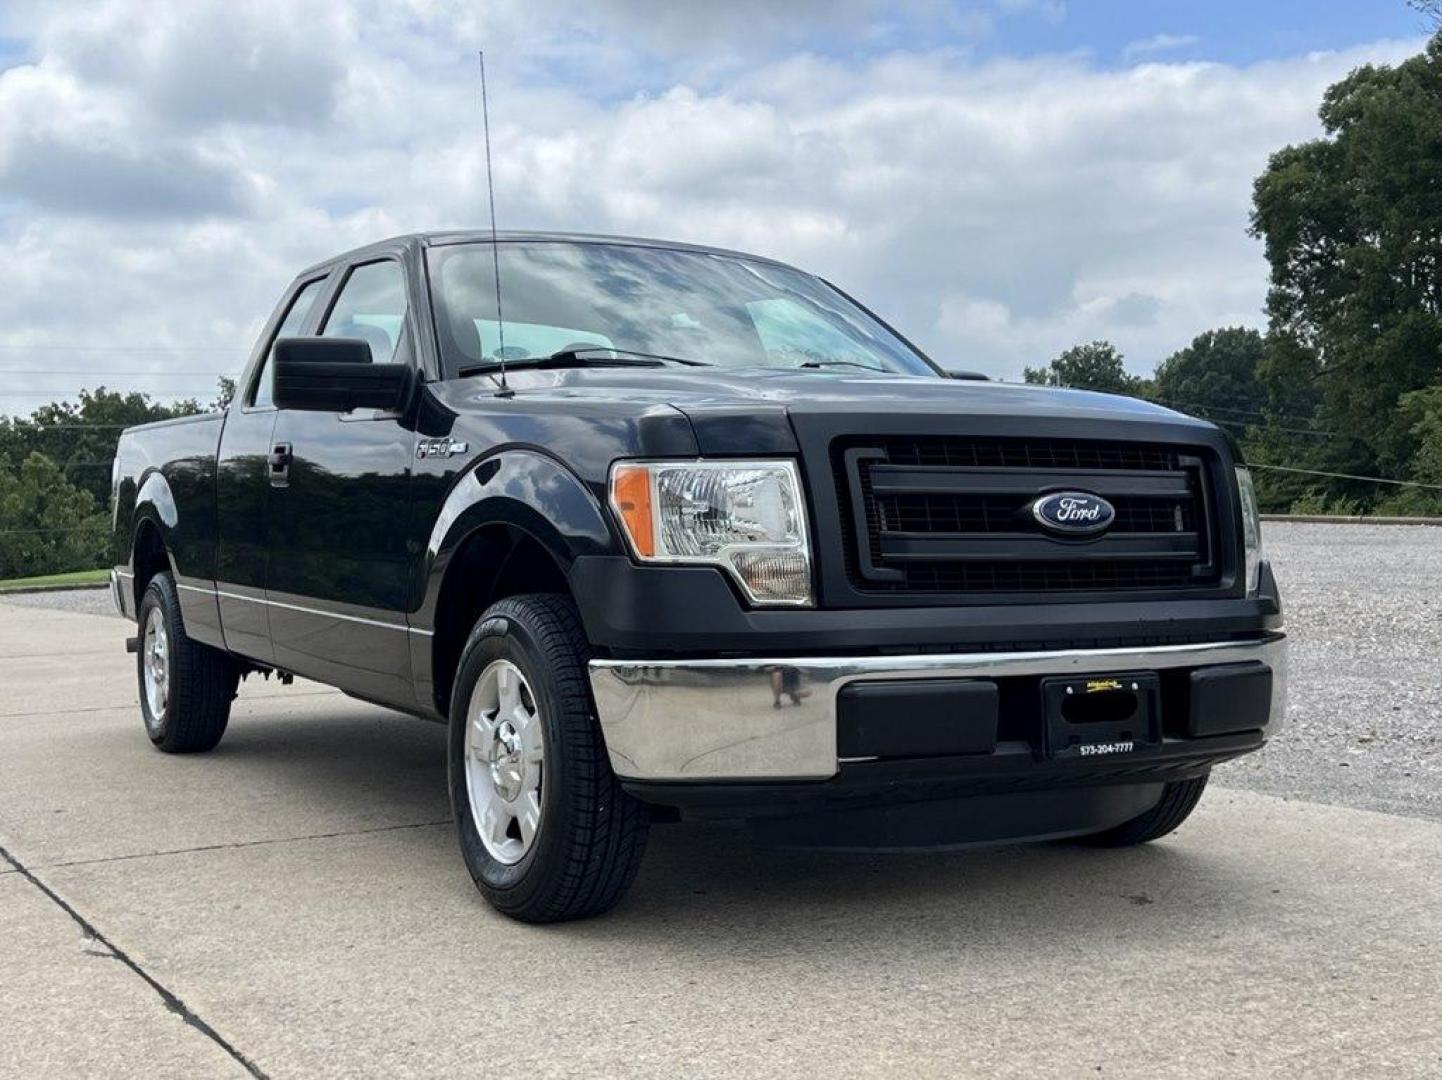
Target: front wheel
(545, 829)
(1178, 800)
(185, 687)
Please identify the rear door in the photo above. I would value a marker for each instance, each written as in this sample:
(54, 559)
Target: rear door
(243, 486)
(338, 577)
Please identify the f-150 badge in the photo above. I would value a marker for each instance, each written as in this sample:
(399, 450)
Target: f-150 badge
(434, 448)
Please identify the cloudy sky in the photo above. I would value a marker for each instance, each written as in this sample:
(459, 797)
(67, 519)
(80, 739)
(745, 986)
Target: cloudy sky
(1000, 178)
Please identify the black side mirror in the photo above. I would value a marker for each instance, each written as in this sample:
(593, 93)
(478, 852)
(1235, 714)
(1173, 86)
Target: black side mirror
(967, 376)
(335, 375)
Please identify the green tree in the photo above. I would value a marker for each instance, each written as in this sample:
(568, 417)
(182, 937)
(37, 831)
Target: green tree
(47, 525)
(224, 394)
(81, 436)
(1096, 366)
(1286, 433)
(1216, 376)
(1422, 410)
(1352, 224)
(1431, 10)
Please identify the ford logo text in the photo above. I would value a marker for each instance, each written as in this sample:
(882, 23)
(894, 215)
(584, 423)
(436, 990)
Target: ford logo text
(1073, 513)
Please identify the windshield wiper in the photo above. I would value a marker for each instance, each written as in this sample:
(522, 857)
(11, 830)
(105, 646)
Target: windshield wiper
(624, 354)
(835, 363)
(569, 358)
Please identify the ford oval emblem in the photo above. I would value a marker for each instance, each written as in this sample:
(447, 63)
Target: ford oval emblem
(1073, 513)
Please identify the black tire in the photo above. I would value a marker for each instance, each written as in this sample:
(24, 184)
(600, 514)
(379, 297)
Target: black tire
(588, 846)
(1178, 800)
(200, 680)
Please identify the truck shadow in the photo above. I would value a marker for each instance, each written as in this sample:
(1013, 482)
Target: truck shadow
(715, 892)
(708, 890)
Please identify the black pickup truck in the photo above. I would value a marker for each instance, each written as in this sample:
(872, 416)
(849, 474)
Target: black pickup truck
(668, 532)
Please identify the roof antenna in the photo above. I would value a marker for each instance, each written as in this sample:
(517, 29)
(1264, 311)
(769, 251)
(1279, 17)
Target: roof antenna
(505, 391)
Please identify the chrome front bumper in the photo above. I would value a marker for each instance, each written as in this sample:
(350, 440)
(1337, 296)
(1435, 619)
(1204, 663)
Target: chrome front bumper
(718, 719)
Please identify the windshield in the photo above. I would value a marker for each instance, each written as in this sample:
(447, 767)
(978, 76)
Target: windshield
(723, 310)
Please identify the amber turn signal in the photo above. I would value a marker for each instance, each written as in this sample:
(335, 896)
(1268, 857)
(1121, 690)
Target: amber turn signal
(631, 495)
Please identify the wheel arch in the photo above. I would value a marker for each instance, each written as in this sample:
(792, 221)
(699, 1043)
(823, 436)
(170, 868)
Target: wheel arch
(148, 557)
(512, 524)
(155, 517)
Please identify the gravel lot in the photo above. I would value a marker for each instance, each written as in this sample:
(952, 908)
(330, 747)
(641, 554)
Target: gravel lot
(1363, 605)
(84, 601)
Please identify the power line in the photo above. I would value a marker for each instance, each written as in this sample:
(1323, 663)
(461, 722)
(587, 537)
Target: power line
(155, 396)
(1347, 476)
(25, 425)
(43, 392)
(1244, 426)
(30, 532)
(1183, 404)
(116, 371)
(1204, 406)
(235, 349)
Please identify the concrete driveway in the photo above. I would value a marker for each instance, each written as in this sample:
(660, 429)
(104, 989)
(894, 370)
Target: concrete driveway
(292, 904)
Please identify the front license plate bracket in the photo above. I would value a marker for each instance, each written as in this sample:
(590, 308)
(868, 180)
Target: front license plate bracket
(1101, 716)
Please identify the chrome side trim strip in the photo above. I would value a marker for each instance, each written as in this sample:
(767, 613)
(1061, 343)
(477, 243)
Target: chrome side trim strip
(313, 611)
(775, 718)
(305, 610)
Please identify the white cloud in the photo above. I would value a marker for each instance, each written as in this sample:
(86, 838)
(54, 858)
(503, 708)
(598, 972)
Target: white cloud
(1158, 43)
(210, 61)
(997, 212)
(1053, 11)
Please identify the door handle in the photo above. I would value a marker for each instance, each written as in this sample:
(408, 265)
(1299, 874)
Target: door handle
(280, 459)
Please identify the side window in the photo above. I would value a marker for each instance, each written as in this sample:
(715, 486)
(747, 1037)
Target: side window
(372, 307)
(289, 326)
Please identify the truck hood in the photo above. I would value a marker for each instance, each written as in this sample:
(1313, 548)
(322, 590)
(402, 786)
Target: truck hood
(747, 410)
(827, 391)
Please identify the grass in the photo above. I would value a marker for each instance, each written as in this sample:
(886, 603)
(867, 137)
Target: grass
(74, 579)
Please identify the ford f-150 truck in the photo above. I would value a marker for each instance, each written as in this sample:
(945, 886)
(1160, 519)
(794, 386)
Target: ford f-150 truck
(667, 532)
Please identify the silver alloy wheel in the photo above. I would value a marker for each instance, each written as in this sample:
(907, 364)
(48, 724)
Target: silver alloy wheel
(505, 759)
(155, 656)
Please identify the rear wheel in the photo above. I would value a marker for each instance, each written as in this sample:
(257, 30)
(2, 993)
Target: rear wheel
(1178, 800)
(545, 829)
(185, 687)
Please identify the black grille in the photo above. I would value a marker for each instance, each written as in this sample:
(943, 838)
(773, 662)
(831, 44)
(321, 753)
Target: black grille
(1000, 513)
(953, 515)
(974, 453)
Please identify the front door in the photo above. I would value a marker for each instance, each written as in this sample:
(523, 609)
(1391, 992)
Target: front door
(338, 580)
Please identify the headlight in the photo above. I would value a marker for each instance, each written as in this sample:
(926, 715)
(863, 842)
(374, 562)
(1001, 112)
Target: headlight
(1251, 529)
(747, 517)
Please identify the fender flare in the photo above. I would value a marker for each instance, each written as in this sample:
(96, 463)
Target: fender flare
(527, 490)
(154, 505)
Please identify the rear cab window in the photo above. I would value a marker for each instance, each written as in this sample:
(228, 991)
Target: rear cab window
(295, 317)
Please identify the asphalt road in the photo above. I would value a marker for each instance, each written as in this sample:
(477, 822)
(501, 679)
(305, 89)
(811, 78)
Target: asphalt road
(292, 904)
